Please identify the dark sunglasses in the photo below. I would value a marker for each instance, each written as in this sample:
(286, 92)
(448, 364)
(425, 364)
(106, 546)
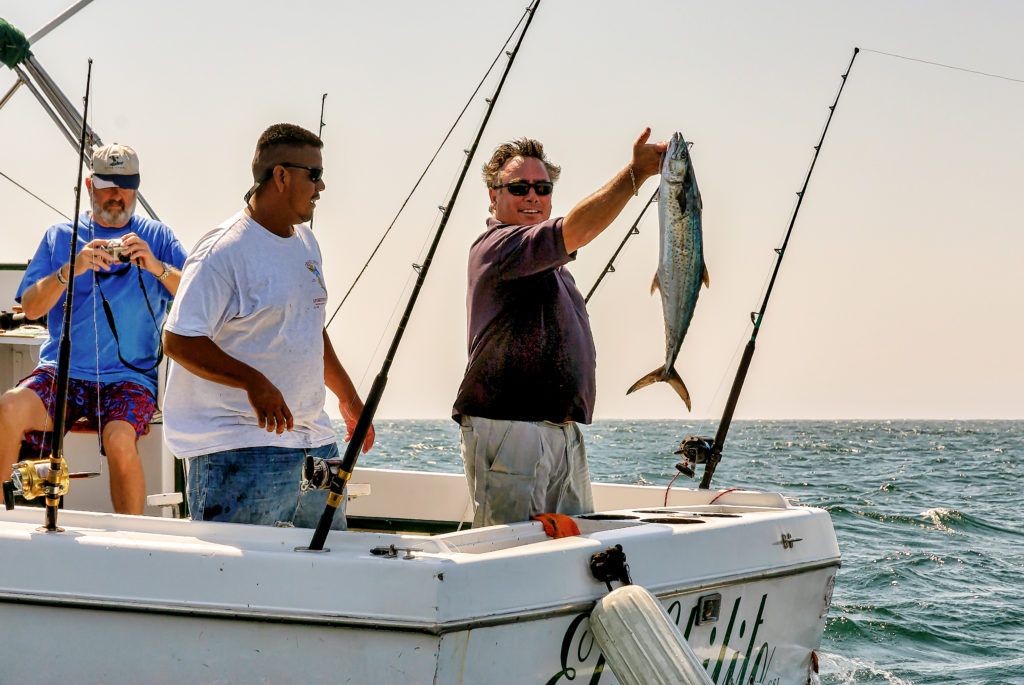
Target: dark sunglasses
(521, 188)
(315, 172)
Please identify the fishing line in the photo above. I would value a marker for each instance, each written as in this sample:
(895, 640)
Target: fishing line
(412, 273)
(95, 317)
(429, 164)
(384, 329)
(406, 287)
(945, 66)
(35, 196)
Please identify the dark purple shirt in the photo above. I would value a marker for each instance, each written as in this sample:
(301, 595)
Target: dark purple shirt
(531, 352)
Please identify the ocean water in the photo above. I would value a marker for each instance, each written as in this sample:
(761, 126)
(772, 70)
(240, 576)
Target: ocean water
(928, 515)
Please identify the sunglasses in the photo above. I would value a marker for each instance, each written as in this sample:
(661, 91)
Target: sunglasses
(521, 188)
(315, 172)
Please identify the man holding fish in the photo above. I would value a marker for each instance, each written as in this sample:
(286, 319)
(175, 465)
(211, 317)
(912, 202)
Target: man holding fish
(531, 372)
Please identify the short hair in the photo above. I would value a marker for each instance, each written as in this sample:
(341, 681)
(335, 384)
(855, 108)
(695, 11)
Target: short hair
(520, 147)
(280, 136)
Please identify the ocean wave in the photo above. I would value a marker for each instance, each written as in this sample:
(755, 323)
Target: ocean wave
(836, 669)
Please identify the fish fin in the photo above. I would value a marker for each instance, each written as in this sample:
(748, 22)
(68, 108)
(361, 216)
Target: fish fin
(673, 380)
(705, 278)
(655, 284)
(652, 377)
(677, 384)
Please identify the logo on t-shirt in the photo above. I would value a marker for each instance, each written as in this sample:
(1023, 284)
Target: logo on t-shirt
(314, 268)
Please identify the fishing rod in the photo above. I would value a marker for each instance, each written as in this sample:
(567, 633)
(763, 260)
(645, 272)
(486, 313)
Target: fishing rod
(344, 473)
(633, 230)
(698, 450)
(320, 135)
(58, 466)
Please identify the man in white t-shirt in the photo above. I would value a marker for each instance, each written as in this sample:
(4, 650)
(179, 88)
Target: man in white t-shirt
(245, 399)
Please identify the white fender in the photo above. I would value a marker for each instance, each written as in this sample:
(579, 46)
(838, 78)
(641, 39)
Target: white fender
(641, 643)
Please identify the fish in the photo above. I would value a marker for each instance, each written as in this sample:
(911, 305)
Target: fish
(681, 268)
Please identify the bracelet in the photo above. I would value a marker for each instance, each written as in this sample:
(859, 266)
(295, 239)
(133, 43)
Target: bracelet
(60, 277)
(632, 179)
(166, 273)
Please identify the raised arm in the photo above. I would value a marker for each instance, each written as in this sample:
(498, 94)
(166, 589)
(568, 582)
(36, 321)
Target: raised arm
(203, 357)
(585, 221)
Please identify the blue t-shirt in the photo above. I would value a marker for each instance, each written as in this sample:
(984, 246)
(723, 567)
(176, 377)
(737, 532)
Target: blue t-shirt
(93, 348)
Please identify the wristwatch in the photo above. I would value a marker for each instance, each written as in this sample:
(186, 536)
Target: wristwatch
(166, 273)
(60, 276)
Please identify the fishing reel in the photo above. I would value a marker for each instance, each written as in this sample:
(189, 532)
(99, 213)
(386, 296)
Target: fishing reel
(317, 473)
(28, 479)
(695, 450)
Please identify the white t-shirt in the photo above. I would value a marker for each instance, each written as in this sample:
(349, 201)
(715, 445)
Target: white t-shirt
(262, 299)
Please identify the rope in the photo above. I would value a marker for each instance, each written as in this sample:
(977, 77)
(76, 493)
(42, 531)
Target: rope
(35, 196)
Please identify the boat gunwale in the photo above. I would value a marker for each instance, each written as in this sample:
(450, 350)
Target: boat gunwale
(662, 592)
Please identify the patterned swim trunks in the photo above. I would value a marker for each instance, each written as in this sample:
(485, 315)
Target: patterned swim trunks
(118, 401)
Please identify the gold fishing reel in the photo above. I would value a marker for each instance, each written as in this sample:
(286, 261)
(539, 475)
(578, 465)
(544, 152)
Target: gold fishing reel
(29, 479)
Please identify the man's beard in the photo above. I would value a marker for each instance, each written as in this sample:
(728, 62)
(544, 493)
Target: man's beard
(113, 215)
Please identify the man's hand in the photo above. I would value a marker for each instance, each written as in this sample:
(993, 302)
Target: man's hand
(138, 252)
(351, 415)
(647, 158)
(267, 401)
(203, 357)
(586, 220)
(93, 257)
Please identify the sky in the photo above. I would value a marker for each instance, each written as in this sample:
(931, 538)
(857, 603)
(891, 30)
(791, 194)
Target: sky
(900, 293)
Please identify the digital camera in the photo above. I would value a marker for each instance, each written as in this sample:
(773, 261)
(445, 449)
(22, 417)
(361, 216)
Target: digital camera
(115, 250)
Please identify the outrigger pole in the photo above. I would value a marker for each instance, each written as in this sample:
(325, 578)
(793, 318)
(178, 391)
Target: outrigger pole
(57, 463)
(53, 101)
(348, 463)
(633, 230)
(697, 449)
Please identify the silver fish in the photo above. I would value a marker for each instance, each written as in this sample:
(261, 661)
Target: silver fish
(681, 268)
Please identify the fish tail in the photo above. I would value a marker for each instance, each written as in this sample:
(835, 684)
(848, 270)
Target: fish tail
(672, 379)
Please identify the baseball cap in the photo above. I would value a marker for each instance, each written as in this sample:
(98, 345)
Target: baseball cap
(115, 165)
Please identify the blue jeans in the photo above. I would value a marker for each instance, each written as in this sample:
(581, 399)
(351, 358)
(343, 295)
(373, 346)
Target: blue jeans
(258, 485)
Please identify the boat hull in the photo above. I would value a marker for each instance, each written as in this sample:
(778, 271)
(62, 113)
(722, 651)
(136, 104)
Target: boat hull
(747, 578)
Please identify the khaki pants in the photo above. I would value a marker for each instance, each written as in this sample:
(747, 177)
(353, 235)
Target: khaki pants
(518, 469)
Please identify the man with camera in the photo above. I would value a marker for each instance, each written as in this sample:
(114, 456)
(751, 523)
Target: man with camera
(127, 270)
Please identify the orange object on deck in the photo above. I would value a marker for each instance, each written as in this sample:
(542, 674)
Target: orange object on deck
(558, 525)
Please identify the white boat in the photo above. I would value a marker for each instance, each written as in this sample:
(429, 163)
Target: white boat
(403, 597)
(746, 576)
(410, 594)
